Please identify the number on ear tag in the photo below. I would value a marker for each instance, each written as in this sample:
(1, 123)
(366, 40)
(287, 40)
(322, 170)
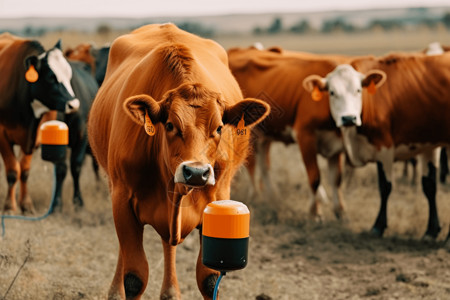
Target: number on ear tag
(372, 89)
(31, 75)
(241, 130)
(316, 94)
(148, 125)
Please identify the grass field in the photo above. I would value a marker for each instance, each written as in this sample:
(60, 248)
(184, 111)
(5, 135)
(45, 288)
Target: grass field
(72, 255)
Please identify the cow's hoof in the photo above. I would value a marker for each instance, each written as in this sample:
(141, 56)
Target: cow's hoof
(78, 202)
(27, 209)
(376, 232)
(340, 214)
(170, 294)
(9, 211)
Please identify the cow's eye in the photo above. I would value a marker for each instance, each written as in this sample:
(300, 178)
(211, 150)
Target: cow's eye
(219, 130)
(331, 93)
(169, 126)
(358, 91)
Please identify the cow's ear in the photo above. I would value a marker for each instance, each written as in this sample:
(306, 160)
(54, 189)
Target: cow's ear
(58, 45)
(140, 105)
(315, 81)
(374, 77)
(252, 110)
(31, 61)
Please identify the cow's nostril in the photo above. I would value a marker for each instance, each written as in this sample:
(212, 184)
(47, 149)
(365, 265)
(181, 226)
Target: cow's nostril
(205, 175)
(187, 174)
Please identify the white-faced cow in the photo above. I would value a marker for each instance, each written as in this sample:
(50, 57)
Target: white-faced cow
(163, 126)
(276, 76)
(34, 81)
(406, 116)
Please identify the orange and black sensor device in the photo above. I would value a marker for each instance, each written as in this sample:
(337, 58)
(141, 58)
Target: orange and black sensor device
(225, 235)
(54, 140)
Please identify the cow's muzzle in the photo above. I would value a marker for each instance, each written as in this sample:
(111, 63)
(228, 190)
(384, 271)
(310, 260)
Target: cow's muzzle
(348, 120)
(72, 106)
(194, 174)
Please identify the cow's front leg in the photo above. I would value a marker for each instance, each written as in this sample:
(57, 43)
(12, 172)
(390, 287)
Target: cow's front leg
(385, 187)
(335, 178)
(429, 171)
(130, 279)
(26, 203)
(169, 289)
(60, 172)
(308, 149)
(76, 161)
(206, 277)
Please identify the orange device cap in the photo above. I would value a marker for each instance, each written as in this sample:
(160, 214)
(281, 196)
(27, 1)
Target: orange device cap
(54, 133)
(227, 219)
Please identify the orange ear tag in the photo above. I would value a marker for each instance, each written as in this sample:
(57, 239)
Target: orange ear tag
(148, 125)
(372, 88)
(316, 94)
(31, 75)
(241, 130)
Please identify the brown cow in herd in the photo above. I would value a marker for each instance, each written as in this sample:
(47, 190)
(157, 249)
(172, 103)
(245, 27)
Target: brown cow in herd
(276, 76)
(408, 115)
(163, 127)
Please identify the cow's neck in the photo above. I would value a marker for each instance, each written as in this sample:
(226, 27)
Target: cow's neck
(357, 147)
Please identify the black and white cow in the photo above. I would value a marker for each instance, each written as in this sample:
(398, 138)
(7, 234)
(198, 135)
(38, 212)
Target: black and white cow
(85, 88)
(34, 81)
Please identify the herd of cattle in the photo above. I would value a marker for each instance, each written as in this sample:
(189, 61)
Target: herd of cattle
(171, 117)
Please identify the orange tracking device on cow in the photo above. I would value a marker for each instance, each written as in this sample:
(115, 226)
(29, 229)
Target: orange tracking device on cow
(225, 235)
(54, 139)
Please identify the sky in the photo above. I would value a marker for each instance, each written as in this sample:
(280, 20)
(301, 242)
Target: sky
(152, 8)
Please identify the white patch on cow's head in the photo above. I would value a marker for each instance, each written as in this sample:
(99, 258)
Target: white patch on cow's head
(61, 68)
(344, 89)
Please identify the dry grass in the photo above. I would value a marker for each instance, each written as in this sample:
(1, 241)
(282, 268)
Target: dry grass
(73, 254)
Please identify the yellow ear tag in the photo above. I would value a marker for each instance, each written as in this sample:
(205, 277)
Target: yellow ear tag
(241, 130)
(31, 75)
(316, 94)
(372, 88)
(148, 125)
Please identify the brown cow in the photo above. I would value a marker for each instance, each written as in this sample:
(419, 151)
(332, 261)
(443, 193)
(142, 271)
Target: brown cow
(163, 126)
(408, 115)
(34, 81)
(276, 76)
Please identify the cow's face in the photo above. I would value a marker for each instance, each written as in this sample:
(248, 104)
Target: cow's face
(49, 75)
(194, 119)
(344, 85)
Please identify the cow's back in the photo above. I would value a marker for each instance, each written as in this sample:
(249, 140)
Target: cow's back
(413, 98)
(276, 77)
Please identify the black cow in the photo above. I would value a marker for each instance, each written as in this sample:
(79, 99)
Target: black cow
(85, 88)
(33, 82)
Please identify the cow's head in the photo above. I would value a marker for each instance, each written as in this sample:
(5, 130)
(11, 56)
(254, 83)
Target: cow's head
(49, 75)
(194, 120)
(344, 86)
